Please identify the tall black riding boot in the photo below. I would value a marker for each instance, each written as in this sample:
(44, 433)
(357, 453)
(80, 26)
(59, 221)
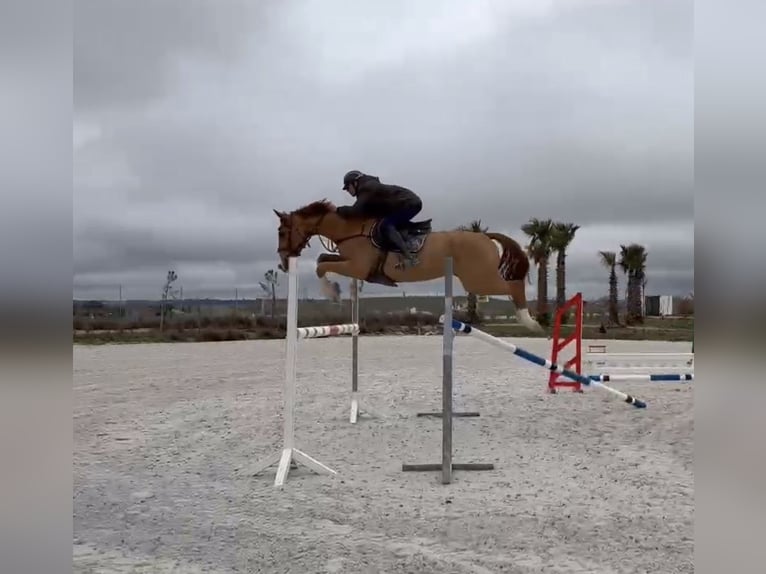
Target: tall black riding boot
(393, 235)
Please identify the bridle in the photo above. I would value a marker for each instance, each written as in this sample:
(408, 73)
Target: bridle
(305, 238)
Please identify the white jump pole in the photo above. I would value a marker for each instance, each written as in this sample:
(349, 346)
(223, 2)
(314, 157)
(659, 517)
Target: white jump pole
(288, 453)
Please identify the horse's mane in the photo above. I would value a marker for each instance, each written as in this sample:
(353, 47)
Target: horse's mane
(314, 208)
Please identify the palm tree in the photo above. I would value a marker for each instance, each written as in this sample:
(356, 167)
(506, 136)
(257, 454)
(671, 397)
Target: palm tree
(539, 249)
(609, 260)
(562, 235)
(633, 264)
(472, 307)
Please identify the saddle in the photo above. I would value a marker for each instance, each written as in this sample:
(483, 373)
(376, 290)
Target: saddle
(414, 234)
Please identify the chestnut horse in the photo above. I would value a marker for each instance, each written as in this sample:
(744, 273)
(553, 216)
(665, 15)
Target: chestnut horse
(362, 254)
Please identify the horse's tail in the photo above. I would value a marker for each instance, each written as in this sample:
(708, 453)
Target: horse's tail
(514, 263)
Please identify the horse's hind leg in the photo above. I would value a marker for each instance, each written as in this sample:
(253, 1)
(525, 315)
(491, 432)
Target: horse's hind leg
(518, 295)
(485, 284)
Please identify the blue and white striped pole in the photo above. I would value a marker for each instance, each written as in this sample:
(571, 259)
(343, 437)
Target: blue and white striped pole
(582, 379)
(643, 377)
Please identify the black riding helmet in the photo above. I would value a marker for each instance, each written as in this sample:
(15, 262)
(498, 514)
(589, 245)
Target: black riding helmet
(351, 177)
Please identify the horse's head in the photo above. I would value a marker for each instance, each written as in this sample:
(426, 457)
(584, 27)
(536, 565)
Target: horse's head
(298, 227)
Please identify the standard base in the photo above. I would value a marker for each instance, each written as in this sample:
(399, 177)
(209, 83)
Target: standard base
(440, 415)
(357, 411)
(354, 411)
(575, 388)
(455, 466)
(286, 457)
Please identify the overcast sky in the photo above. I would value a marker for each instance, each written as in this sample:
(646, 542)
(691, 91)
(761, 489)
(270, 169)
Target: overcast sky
(194, 119)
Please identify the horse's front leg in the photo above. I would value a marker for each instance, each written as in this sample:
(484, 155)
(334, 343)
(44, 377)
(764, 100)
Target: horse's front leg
(328, 257)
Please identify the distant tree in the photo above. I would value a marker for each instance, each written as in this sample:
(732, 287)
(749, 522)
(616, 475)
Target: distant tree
(539, 249)
(686, 306)
(633, 264)
(167, 293)
(472, 303)
(562, 235)
(609, 260)
(272, 280)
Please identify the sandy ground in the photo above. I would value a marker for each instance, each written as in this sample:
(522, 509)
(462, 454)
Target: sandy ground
(165, 437)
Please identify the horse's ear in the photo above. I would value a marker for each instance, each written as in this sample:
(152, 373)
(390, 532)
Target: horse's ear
(280, 215)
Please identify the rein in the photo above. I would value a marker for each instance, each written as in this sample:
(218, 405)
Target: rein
(305, 242)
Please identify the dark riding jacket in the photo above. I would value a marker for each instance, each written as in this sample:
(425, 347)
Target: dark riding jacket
(376, 199)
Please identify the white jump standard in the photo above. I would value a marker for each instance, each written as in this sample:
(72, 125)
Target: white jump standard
(582, 379)
(289, 452)
(354, 353)
(356, 409)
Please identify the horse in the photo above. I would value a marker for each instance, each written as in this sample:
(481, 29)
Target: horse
(364, 254)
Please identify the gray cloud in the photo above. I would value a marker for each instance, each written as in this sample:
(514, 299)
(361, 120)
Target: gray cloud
(192, 123)
(126, 55)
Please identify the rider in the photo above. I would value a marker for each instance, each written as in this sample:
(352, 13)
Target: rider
(396, 205)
